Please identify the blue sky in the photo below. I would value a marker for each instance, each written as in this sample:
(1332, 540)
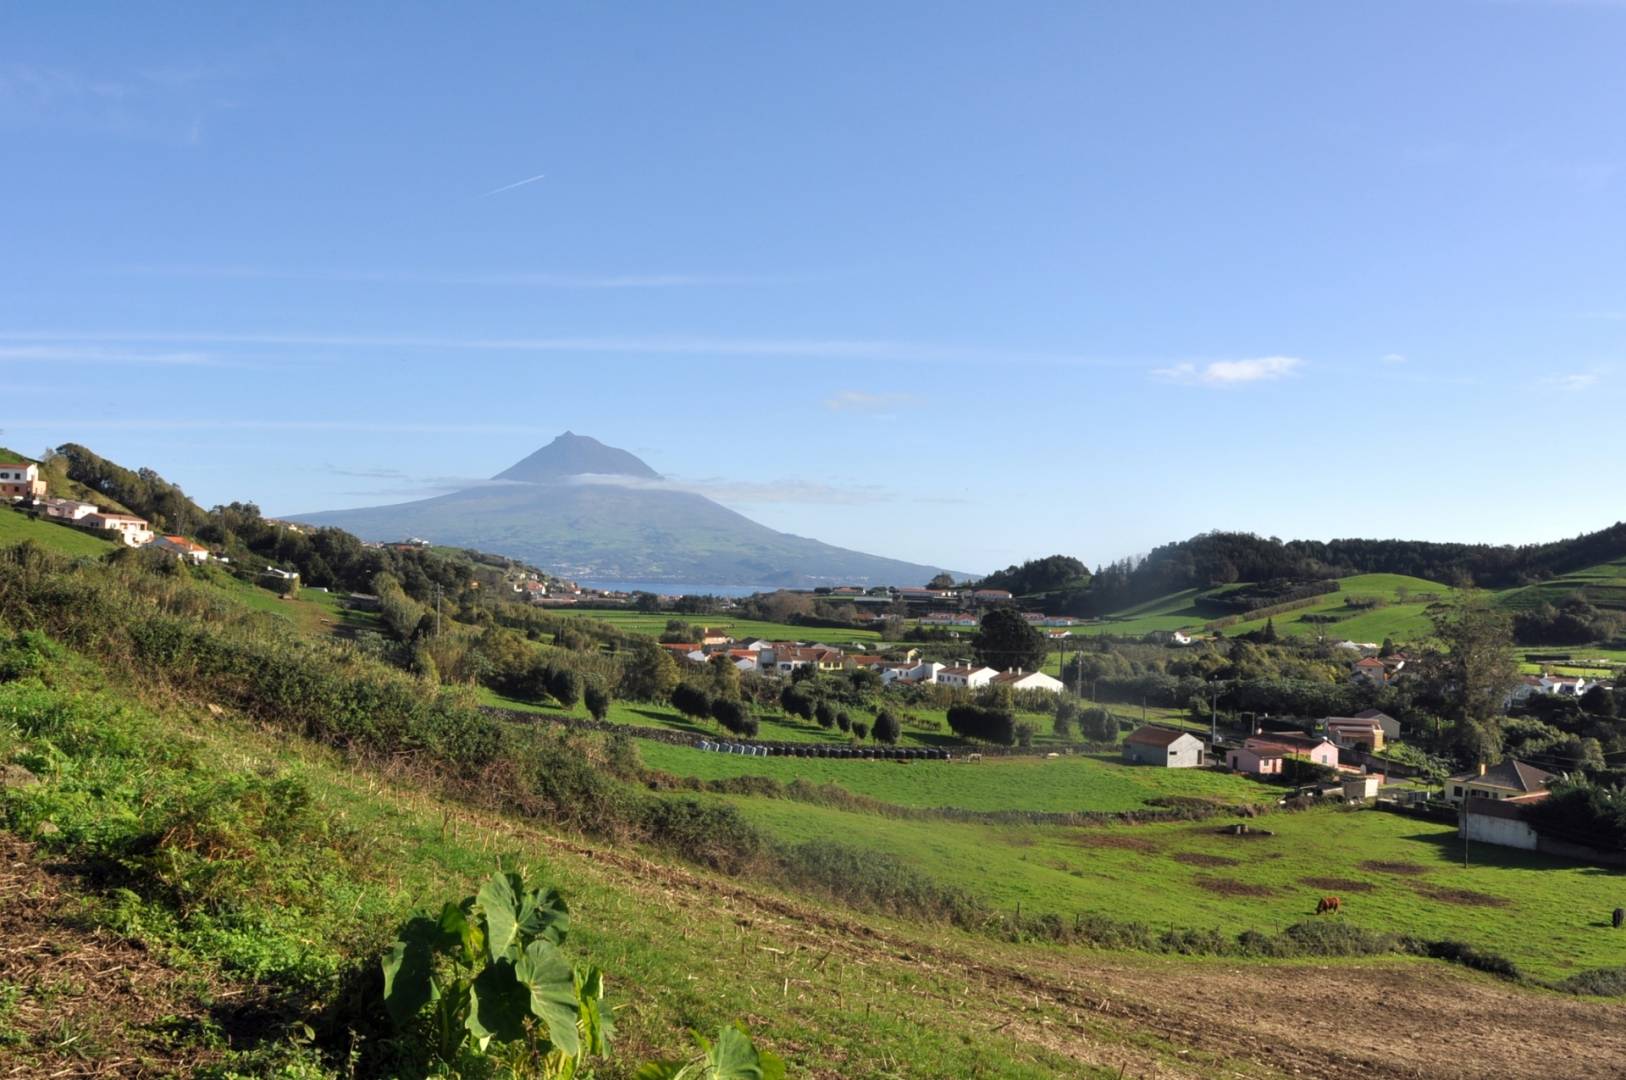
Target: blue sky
(958, 283)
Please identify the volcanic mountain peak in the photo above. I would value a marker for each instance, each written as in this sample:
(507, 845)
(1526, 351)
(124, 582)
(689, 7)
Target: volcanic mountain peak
(575, 455)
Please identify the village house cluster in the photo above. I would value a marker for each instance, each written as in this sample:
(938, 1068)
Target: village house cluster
(20, 483)
(785, 658)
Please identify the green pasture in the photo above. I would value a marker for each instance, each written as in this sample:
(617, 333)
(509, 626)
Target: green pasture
(1394, 873)
(15, 527)
(1603, 585)
(1067, 784)
(654, 624)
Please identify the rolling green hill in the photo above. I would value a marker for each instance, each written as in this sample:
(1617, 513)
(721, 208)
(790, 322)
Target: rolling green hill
(1603, 586)
(16, 527)
(1400, 611)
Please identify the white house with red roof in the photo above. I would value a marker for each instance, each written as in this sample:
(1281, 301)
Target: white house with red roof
(182, 548)
(21, 480)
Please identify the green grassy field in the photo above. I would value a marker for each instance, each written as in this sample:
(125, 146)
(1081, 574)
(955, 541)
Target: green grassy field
(1394, 873)
(15, 527)
(1603, 585)
(653, 624)
(1076, 783)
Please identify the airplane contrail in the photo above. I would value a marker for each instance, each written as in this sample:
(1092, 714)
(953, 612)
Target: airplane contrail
(511, 187)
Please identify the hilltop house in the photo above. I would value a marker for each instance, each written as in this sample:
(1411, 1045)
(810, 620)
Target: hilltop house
(182, 548)
(789, 658)
(1032, 680)
(1264, 754)
(132, 530)
(1508, 779)
(21, 480)
(1371, 671)
(910, 671)
(969, 678)
(1162, 746)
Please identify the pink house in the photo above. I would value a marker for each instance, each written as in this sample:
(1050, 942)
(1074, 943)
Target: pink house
(1262, 755)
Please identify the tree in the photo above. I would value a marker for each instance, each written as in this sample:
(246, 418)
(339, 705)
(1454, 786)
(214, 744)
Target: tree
(887, 728)
(1098, 725)
(597, 699)
(723, 676)
(844, 720)
(1473, 671)
(860, 730)
(1388, 647)
(649, 673)
(1600, 702)
(825, 714)
(1268, 634)
(733, 716)
(796, 701)
(565, 686)
(941, 581)
(1066, 716)
(1006, 641)
(691, 701)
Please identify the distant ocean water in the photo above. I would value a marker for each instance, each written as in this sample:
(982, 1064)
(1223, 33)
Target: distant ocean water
(668, 588)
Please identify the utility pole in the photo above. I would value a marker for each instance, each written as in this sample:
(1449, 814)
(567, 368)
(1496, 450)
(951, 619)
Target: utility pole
(437, 610)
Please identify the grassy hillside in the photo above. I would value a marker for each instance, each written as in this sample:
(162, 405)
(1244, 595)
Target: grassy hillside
(236, 812)
(1603, 586)
(60, 486)
(15, 527)
(1402, 616)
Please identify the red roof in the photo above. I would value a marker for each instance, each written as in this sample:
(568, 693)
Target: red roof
(1154, 736)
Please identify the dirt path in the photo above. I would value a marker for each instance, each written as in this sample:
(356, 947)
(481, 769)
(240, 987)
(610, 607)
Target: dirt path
(85, 1003)
(1333, 1021)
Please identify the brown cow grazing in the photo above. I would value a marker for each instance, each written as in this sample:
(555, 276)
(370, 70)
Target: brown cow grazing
(1329, 904)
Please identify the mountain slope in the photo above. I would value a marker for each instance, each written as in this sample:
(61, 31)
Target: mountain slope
(580, 509)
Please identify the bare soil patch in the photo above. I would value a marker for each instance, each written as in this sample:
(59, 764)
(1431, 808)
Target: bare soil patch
(1408, 869)
(89, 1004)
(1228, 887)
(1465, 897)
(1197, 858)
(1115, 840)
(1337, 884)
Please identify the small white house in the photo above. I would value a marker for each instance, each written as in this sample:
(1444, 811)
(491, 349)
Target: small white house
(70, 510)
(183, 549)
(132, 530)
(1030, 680)
(969, 678)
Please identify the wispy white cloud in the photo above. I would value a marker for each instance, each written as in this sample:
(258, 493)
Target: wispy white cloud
(658, 345)
(747, 492)
(125, 423)
(1575, 381)
(407, 277)
(57, 354)
(1393, 359)
(1230, 372)
(866, 402)
(170, 105)
(515, 184)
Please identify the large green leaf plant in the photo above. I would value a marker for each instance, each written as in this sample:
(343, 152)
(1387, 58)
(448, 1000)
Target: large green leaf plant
(491, 970)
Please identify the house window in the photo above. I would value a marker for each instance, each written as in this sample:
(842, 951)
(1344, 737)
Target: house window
(1457, 791)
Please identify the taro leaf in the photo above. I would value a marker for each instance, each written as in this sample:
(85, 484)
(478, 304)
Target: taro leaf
(407, 983)
(498, 1005)
(660, 1070)
(595, 1026)
(734, 1058)
(543, 914)
(501, 906)
(552, 984)
(460, 932)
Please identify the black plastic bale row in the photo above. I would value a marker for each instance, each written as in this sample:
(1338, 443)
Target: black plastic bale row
(817, 750)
